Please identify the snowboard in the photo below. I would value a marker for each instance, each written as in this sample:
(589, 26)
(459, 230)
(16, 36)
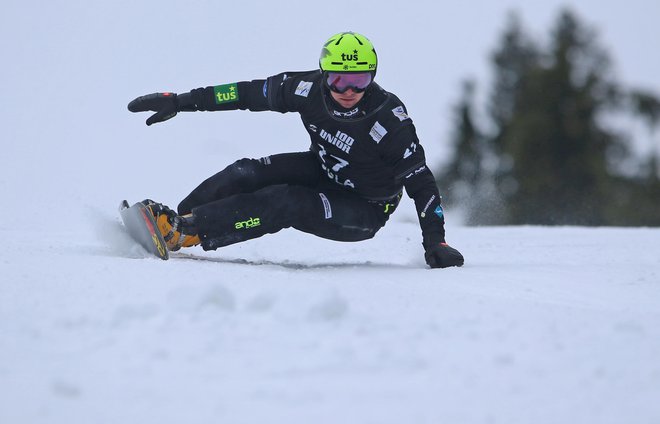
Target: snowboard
(141, 226)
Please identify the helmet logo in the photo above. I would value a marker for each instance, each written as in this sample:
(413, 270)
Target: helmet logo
(353, 56)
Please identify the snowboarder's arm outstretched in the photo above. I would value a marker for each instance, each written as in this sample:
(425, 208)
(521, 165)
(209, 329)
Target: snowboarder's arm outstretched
(273, 93)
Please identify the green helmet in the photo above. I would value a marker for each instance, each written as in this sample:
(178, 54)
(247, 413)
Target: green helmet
(348, 52)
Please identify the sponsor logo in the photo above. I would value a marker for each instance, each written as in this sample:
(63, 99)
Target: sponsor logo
(423, 214)
(226, 93)
(348, 114)
(353, 56)
(326, 206)
(400, 113)
(438, 211)
(342, 141)
(303, 88)
(377, 132)
(416, 171)
(249, 223)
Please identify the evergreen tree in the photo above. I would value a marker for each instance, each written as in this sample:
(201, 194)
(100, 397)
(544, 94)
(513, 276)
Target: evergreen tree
(466, 165)
(552, 150)
(558, 146)
(647, 107)
(512, 64)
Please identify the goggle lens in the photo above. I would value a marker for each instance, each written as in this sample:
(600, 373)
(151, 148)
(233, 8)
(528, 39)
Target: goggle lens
(340, 82)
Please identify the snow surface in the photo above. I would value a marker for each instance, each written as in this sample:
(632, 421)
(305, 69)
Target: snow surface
(542, 325)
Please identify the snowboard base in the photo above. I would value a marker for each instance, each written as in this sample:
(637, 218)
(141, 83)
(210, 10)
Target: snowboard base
(141, 226)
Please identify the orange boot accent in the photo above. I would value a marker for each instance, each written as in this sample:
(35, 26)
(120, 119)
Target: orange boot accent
(175, 239)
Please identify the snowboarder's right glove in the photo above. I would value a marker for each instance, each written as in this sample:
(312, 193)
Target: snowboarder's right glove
(441, 255)
(166, 106)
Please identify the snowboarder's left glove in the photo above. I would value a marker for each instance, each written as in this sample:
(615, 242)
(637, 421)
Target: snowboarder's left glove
(441, 255)
(165, 105)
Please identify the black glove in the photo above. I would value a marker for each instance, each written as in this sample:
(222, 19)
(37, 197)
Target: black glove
(166, 106)
(441, 255)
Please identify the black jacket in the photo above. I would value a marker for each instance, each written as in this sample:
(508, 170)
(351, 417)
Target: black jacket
(371, 150)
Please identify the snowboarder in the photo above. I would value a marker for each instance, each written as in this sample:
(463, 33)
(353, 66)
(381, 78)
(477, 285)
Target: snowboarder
(364, 151)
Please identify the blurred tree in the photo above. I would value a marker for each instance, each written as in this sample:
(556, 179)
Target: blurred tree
(558, 146)
(554, 152)
(646, 106)
(513, 63)
(467, 173)
(467, 142)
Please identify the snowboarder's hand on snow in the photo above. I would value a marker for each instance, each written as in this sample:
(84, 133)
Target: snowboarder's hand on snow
(441, 255)
(165, 105)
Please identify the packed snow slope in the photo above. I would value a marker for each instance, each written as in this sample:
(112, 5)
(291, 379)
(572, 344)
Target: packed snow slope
(541, 325)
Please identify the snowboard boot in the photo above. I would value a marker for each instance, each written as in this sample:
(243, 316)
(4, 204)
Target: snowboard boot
(178, 231)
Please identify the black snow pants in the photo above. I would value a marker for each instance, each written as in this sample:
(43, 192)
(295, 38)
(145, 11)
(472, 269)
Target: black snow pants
(253, 197)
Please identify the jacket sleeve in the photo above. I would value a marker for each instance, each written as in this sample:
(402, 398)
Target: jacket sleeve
(272, 93)
(420, 186)
(407, 156)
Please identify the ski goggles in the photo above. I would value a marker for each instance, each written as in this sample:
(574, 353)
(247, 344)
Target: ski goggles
(340, 82)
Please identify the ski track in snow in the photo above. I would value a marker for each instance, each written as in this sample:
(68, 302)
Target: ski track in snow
(541, 325)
